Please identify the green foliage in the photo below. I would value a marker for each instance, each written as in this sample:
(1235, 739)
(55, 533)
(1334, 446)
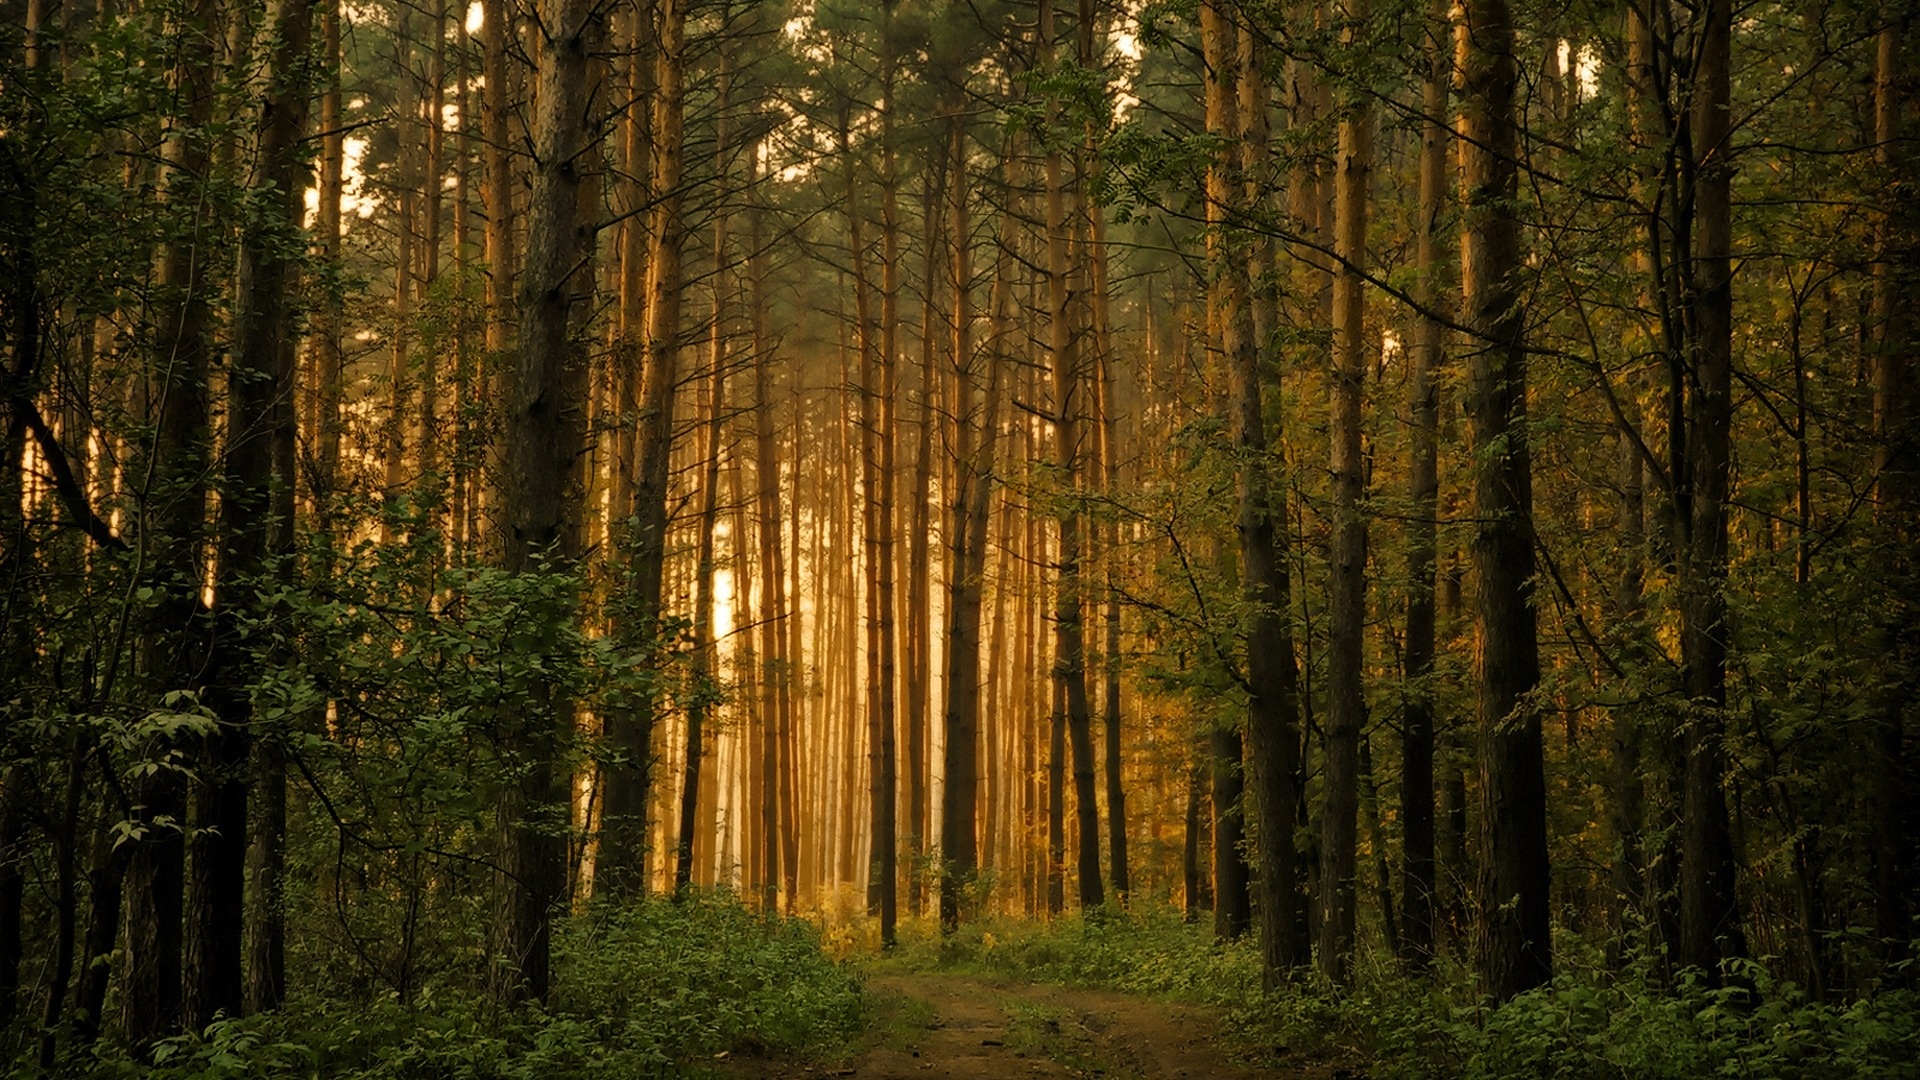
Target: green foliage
(639, 991)
(1588, 1023)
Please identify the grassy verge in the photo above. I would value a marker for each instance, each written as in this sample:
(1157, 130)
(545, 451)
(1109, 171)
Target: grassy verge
(1591, 1022)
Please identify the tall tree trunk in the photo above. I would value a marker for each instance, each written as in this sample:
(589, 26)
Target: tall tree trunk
(1516, 952)
(330, 319)
(400, 338)
(1709, 913)
(496, 32)
(432, 200)
(779, 677)
(883, 427)
(1346, 634)
(173, 644)
(545, 488)
(876, 483)
(970, 499)
(630, 730)
(1063, 354)
(1896, 444)
(1423, 490)
(918, 680)
(703, 689)
(257, 519)
(1238, 110)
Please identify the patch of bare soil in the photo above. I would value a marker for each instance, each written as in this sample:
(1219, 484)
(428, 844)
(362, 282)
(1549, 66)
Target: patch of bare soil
(953, 1027)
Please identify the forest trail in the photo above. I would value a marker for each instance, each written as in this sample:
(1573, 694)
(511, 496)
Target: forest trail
(938, 1026)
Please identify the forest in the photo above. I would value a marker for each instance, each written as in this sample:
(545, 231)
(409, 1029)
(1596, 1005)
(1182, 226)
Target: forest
(617, 538)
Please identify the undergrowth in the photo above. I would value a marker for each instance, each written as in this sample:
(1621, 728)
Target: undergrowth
(1590, 1023)
(641, 991)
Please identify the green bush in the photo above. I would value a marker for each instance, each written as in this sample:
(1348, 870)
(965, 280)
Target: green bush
(638, 991)
(1589, 1023)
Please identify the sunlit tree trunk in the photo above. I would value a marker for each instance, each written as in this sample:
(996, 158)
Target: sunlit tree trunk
(693, 761)
(399, 340)
(975, 424)
(918, 654)
(1229, 329)
(502, 256)
(876, 486)
(330, 318)
(630, 730)
(432, 213)
(779, 678)
(884, 428)
(1120, 866)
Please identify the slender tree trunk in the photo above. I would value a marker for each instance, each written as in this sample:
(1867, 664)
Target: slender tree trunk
(502, 257)
(432, 206)
(545, 488)
(1272, 710)
(400, 338)
(919, 615)
(630, 730)
(777, 659)
(1346, 635)
(970, 499)
(173, 644)
(1423, 489)
(330, 319)
(691, 821)
(257, 511)
(1896, 286)
(1063, 353)
(1120, 868)
(876, 482)
(1710, 928)
(106, 871)
(1516, 952)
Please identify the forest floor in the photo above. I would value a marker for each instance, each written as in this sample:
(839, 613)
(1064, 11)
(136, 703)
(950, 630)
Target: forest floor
(949, 1026)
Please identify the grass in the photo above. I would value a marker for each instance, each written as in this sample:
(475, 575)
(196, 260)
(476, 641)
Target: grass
(1591, 1023)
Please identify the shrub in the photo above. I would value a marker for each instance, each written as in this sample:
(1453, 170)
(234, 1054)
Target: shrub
(640, 990)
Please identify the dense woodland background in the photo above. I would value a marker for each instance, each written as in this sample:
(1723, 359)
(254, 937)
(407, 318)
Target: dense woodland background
(1418, 481)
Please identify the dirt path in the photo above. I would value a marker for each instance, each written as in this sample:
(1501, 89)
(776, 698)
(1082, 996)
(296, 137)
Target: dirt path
(954, 1027)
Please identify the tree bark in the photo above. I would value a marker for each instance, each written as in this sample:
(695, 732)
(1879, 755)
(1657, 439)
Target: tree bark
(1063, 353)
(174, 643)
(545, 489)
(502, 256)
(967, 537)
(703, 688)
(778, 673)
(1516, 951)
(1427, 357)
(1709, 914)
(257, 519)
(630, 730)
(1346, 634)
(1896, 286)
(1237, 109)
